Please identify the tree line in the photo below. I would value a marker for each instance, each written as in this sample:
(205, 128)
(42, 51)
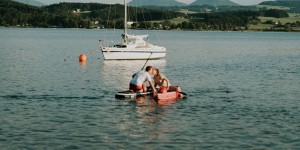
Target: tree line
(75, 15)
(89, 15)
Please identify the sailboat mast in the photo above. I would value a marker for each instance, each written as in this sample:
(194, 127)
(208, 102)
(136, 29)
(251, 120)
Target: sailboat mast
(125, 18)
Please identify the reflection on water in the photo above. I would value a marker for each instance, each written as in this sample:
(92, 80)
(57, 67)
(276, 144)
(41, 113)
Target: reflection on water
(82, 64)
(121, 71)
(134, 65)
(146, 118)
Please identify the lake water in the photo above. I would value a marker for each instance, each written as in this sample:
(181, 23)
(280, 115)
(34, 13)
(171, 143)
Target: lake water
(243, 92)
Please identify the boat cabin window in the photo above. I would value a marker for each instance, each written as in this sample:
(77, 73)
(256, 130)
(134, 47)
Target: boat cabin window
(120, 46)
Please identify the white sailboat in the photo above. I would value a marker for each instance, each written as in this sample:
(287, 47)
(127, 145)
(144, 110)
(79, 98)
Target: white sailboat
(132, 47)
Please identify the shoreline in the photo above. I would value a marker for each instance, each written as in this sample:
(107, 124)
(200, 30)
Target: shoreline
(251, 30)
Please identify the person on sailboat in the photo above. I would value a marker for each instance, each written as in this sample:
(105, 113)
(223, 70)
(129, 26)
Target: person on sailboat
(137, 82)
(163, 82)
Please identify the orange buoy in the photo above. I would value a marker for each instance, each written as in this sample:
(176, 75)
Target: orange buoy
(82, 58)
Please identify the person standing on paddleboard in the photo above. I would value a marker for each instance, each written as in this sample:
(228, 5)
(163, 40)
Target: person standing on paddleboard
(138, 79)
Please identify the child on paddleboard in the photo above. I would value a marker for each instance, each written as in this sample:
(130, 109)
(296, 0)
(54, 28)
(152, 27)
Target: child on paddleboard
(162, 82)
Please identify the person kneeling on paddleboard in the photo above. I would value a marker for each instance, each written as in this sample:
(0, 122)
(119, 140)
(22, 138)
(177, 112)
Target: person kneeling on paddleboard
(137, 82)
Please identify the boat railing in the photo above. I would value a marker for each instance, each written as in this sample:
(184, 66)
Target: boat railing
(104, 43)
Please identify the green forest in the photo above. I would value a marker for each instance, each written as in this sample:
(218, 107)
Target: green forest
(96, 15)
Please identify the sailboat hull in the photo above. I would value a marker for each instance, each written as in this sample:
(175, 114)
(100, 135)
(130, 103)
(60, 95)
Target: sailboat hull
(132, 54)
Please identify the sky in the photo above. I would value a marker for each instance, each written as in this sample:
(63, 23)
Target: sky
(241, 2)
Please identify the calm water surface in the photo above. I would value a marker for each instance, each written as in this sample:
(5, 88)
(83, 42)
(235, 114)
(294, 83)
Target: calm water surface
(243, 92)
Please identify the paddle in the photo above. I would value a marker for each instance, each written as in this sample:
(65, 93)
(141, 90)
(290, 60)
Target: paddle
(146, 61)
(143, 66)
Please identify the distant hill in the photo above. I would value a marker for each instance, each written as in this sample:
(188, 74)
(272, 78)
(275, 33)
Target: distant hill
(288, 0)
(293, 5)
(155, 3)
(214, 3)
(31, 2)
(289, 3)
